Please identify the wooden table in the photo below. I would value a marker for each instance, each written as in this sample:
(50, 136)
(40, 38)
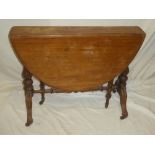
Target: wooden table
(73, 59)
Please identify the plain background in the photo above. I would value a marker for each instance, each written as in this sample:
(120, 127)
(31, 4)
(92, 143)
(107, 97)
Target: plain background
(79, 113)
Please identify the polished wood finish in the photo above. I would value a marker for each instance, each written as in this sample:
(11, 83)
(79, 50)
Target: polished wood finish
(76, 58)
(72, 59)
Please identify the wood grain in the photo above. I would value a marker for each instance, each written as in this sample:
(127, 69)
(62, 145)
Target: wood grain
(76, 58)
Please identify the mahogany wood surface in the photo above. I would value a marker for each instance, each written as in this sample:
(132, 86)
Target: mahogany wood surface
(76, 58)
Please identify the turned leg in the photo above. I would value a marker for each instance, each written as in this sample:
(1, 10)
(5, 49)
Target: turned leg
(123, 99)
(109, 90)
(121, 89)
(28, 88)
(42, 89)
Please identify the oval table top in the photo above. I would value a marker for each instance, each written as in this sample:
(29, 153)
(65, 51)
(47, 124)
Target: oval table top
(76, 58)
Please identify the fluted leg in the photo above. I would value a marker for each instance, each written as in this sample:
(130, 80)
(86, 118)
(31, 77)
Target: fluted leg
(108, 95)
(28, 88)
(42, 89)
(121, 89)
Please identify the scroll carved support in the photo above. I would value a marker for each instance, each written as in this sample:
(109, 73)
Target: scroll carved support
(121, 89)
(28, 88)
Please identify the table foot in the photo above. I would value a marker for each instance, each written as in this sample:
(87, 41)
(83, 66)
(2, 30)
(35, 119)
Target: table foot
(28, 123)
(123, 116)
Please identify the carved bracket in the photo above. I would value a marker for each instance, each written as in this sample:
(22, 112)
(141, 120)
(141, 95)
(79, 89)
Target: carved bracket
(120, 87)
